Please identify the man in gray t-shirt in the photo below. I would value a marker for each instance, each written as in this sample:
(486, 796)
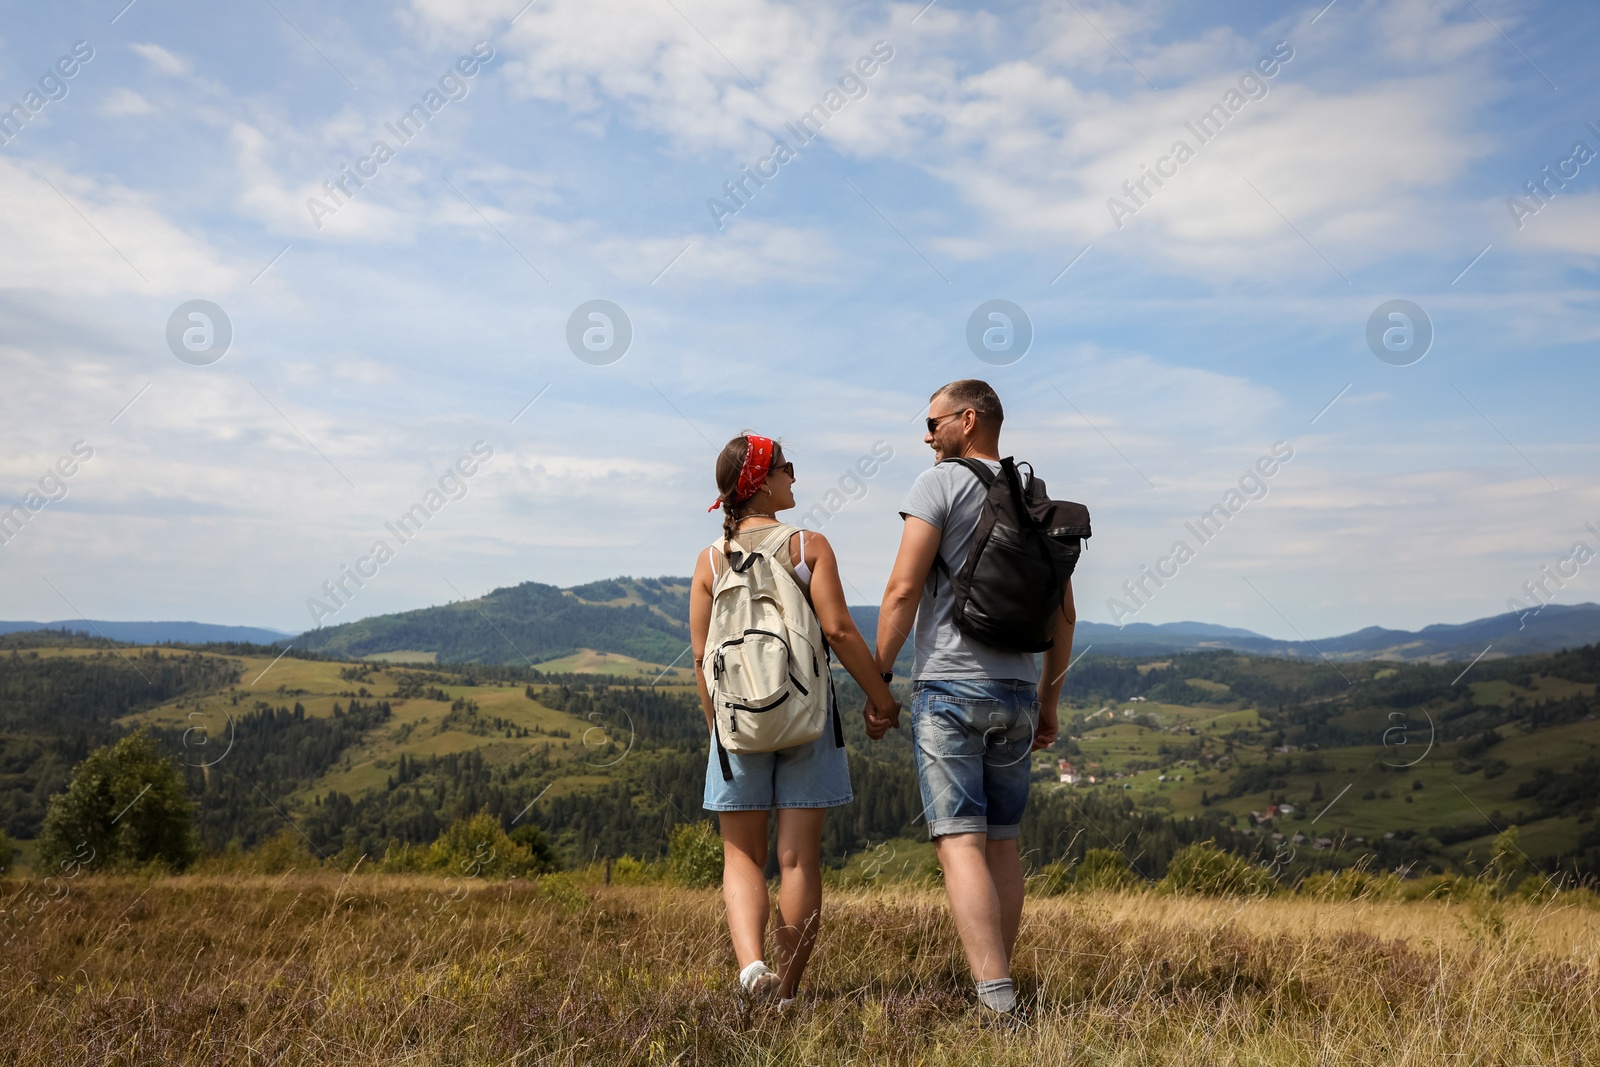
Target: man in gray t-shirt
(978, 712)
(950, 497)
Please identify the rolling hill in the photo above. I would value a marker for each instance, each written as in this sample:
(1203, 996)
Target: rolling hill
(646, 618)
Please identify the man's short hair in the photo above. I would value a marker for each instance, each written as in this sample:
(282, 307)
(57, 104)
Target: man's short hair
(975, 394)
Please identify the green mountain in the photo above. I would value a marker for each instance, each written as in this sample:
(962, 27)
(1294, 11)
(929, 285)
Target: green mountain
(646, 618)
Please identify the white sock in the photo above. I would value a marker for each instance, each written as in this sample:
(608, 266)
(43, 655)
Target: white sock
(997, 994)
(754, 973)
(786, 1003)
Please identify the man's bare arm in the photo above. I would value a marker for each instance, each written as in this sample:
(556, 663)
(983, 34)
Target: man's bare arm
(1057, 658)
(919, 544)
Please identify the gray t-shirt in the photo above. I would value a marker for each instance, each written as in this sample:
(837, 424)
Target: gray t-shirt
(950, 497)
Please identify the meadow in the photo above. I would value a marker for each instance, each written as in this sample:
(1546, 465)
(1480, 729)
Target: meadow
(334, 969)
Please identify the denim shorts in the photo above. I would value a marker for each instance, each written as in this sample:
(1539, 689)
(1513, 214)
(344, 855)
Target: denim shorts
(814, 775)
(973, 738)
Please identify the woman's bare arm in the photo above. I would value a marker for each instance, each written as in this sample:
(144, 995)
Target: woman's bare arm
(700, 625)
(827, 598)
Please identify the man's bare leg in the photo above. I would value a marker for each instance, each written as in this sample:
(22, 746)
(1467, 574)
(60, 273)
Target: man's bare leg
(975, 903)
(1005, 868)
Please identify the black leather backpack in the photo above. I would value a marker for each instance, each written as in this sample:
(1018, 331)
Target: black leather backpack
(1023, 552)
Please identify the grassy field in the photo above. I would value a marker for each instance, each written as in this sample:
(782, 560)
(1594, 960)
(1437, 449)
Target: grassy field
(588, 661)
(372, 969)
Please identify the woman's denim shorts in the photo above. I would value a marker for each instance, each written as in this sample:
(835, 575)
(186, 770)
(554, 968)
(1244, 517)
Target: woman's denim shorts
(973, 738)
(814, 775)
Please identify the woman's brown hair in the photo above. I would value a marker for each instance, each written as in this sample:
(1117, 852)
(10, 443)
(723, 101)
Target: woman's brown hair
(729, 464)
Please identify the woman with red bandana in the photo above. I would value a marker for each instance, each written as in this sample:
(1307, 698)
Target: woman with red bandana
(754, 483)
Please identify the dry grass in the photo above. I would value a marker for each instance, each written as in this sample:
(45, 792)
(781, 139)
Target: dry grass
(375, 969)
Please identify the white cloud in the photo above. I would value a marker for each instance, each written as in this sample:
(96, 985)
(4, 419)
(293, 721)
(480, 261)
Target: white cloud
(747, 253)
(1035, 140)
(678, 70)
(124, 101)
(93, 238)
(1569, 224)
(162, 60)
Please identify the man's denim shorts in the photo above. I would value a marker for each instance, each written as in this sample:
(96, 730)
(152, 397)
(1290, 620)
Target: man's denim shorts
(973, 738)
(813, 775)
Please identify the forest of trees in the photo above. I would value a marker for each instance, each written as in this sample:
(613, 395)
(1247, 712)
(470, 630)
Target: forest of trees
(55, 710)
(646, 774)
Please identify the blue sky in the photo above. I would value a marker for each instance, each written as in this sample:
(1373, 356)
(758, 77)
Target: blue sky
(976, 163)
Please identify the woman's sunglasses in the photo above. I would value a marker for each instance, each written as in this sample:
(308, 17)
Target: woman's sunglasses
(787, 468)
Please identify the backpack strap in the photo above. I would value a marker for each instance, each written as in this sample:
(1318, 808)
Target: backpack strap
(780, 534)
(722, 754)
(977, 466)
(740, 560)
(981, 471)
(838, 723)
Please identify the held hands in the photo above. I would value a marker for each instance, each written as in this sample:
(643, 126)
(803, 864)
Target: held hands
(1049, 728)
(879, 720)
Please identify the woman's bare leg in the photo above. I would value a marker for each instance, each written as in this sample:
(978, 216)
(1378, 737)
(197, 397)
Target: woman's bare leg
(799, 894)
(744, 882)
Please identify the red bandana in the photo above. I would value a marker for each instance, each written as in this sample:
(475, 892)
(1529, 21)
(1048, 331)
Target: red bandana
(757, 465)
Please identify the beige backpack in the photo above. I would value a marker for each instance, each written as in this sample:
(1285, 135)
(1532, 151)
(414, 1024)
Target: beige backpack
(766, 663)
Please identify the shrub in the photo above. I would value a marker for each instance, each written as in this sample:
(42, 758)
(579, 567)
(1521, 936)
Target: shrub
(284, 851)
(478, 846)
(562, 890)
(1352, 883)
(126, 806)
(1100, 869)
(542, 855)
(402, 857)
(350, 858)
(1538, 888)
(1104, 868)
(474, 847)
(1459, 887)
(628, 871)
(1206, 869)
(1581, 896)
(694, 855)
(231, 860)
(1052, 880)
(8, 852)
(1506, 856)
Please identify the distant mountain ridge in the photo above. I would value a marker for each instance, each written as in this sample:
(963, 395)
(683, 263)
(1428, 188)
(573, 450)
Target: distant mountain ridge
(150, 633)
(647, 618)
(1556, 627)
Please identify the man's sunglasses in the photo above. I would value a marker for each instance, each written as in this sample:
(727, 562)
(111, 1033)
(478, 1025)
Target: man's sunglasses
(934, 421)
